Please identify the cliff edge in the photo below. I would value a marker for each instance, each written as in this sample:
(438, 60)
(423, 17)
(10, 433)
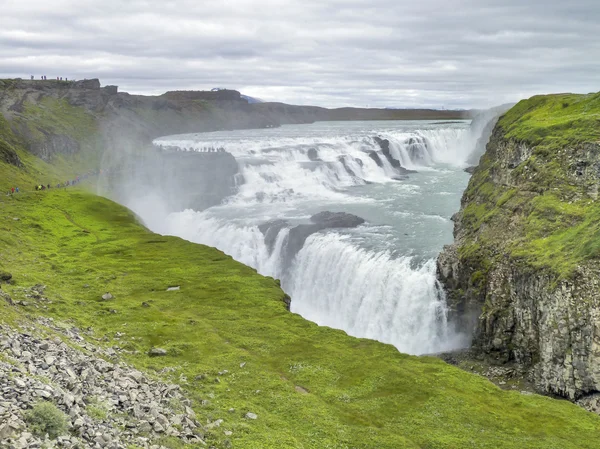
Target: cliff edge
(523, 271)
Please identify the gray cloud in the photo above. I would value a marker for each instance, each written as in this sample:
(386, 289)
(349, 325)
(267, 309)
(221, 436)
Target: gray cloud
(431, 53)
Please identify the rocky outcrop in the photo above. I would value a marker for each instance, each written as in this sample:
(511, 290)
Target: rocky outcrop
(107, 404)
(52, 145)
(9, 155)
(526, 300)
(176, 178)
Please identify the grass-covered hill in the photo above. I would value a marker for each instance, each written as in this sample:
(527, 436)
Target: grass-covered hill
(311, 387)
(232, 344)
(527, 243)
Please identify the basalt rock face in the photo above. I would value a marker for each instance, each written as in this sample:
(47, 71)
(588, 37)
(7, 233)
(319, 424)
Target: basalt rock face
(198, 180)
(516, 275)
(174, 180)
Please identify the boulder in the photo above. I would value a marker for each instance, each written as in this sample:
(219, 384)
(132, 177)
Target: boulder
(337, 219)
(5, 276)
(157, 352)
(313, 155)
(107, 297)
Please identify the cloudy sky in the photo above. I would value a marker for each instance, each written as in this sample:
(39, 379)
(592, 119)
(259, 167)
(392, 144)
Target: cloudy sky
(380, 53)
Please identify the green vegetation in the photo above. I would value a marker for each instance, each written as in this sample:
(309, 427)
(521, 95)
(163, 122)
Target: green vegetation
(361, 393)
(55, 116)
(97, 409)
(554, 121)
(545, 214)
(45, 418)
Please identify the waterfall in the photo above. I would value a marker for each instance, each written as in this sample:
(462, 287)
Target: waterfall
(363, 280)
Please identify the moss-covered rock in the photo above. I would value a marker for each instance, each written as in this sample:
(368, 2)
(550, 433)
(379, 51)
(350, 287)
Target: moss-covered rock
(527, 242)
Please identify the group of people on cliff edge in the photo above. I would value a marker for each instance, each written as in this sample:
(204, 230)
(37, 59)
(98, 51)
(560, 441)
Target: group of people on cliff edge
(44, 78)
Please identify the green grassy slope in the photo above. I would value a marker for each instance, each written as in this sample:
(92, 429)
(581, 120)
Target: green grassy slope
(546, 213)
(361, 394)
(554, 121)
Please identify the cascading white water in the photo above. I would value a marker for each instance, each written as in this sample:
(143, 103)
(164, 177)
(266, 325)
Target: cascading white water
(370, 294)
(376, 281)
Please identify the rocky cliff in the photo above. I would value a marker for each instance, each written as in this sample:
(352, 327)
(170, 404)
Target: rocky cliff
(48, 114)
(523, 271)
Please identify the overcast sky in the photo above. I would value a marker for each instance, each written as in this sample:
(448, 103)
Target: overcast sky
(380, 53)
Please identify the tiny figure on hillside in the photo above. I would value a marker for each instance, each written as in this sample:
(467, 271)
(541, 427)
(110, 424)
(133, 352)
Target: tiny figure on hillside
(17, 190)
(31, 77)
(48, 186)
(12, 190)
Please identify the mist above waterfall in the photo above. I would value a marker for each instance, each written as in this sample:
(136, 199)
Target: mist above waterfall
(374, 280)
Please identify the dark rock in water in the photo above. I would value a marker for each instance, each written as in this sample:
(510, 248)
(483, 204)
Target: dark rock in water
(400, 178)
(313, 155)
(322, 220)
(359, 161)
(271, 230)
(406, 171)
(384, 144)
(373, 155)
(471, 169)
(337, 219)
(342, 159)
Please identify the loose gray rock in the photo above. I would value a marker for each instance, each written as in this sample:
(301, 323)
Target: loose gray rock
(157, 352)
(108, 405)
(251, 415)
(107, 296)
